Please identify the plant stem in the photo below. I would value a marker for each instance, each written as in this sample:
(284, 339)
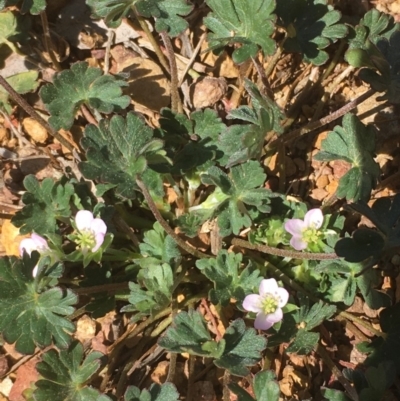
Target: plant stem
(47, 41)
(362, 323)
(111, 287)
(176, 104)
(165, 225)
(31, 111)
(350, 390)
(290, 136)
(283, 252)
(152, 40)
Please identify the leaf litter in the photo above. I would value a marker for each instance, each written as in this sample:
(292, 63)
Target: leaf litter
(222, 89)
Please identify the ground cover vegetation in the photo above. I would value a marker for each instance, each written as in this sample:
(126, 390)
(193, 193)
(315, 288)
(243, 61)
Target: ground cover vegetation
(199, 200)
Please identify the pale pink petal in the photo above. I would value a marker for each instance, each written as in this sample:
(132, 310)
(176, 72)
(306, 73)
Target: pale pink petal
(252, 303)
(297, 243)
(39, 241)
(314, 218)
(268, 286)
(275, 317)
(283, 297)
(28, 245)
(83, 220)
(99, 237)
(264, 322)
(295, 226)
(98, 226)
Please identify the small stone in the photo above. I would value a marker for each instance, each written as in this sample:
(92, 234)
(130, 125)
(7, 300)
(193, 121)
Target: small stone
(320, 138)
(332, 187)
(35, 130)
(208, 91)
(4, 134)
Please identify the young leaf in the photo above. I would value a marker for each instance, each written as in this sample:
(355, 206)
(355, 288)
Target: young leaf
(159, 281)
(334, 395)
(156, 392)
(265, 388)
(27, 317)
(13, 28)
(44, 204)
(244, 142)
(158, 247)
(32, 6)
(65, 374)
(188, 333)
(240, 188)
(118, 150)
(243, 348)
(311, 26)
(23, 82)
(229, 281)
(308, 318)
(248, 22)
(82, 85)
(166, 12)
(354, 143)
(373, 27)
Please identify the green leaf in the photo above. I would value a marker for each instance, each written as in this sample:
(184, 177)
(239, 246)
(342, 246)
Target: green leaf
(44, 203)
(244, 142)
(265, 388)
(242, 187)
(248, 22)
(159, 282)
(158, 247)
(365, 243)
(32, 6)
(188, 333)
(229, 280)
(354, 143)
(303, 343)
(314, 316)
(65, 375)
(23, 82)
(334, 395)
(30, 318)
(311, 26)
(166, 12)
(243, 347)
(157, 392)
(79, 85)
(118, 150)
(13, 28)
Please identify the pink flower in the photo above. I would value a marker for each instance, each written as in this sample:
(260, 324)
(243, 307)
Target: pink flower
(91, 231)
(34, 243)
(305, 231)
(267, 304)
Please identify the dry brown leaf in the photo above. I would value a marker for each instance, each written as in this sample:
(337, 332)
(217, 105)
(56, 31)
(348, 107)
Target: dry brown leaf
(26, 374)
(10, 238)
(35, 130)
(85, 329)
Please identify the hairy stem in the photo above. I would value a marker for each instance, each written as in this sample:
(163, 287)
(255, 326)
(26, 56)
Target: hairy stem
(290, 136)
(152, 40)
(31, 111)
(165, 225)
(176, 105)
(283, 252)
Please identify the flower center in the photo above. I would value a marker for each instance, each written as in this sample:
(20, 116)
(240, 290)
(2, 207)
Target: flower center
(311, 235)
(269, 304)
(86, 240)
